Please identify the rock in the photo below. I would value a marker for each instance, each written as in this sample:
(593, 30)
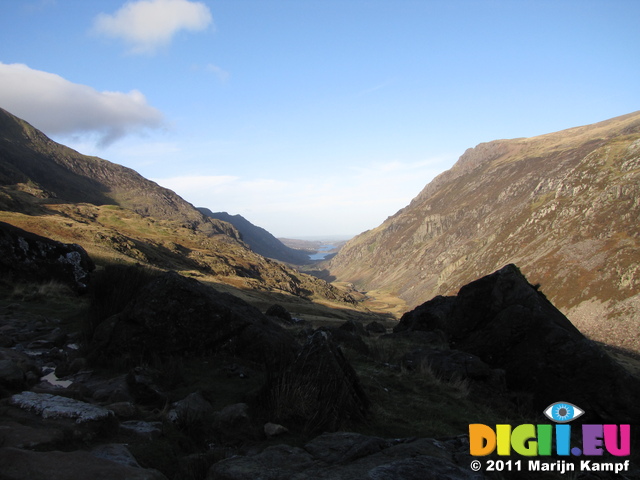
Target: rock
(279, 312)
(139, 428)
(510, 325)
(318, 391)
(274, 430)
(234, 422)
(375, 327)
(14, 434)
(123, 410)
(193, 408)
(174, 315)
(354, 327)
(17, 370)
(56, 407)
(116, 452)
(351, 456)
(20, 464)
(143, 388)
(25, 256)
(449, 364)
(347, 339)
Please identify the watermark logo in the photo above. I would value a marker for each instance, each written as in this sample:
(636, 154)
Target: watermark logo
(531, 440)
(563, 412)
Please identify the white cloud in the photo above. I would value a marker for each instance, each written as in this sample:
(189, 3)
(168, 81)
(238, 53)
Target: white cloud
(147, 25)
(356, 200)
(60, 107)
(222, 75)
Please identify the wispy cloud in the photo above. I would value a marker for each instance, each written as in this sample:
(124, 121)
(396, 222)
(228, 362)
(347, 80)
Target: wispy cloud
(356, 200)
(222, 75)
(147, 25)
(60, 107)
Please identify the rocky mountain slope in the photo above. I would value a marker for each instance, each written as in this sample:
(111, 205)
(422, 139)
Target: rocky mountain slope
(117, 215)
(564, 207)
(259, 239)
(32, 162)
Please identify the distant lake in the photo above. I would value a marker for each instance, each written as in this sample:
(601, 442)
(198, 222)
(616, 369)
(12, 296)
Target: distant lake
(323, 251)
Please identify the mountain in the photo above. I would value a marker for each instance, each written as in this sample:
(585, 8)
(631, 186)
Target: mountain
(564, 207)
(37, 164)
(259, 239)
(118, 216)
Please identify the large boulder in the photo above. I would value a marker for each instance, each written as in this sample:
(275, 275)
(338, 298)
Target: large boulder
(20, 464)
(351, 456)
(25, 256)
(318, 391)
(173, 315)
(511, 325)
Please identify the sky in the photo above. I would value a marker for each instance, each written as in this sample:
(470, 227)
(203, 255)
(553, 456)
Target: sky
(311, 118)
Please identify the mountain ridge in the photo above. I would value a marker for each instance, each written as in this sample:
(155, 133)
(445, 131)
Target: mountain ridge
(563, 206)
(259, 239)
(118, 216)
(61, 173)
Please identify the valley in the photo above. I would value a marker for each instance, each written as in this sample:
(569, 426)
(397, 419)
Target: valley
(159, 340)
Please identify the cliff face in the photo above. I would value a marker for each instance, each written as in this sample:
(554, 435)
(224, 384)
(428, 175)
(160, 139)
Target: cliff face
(565, 207)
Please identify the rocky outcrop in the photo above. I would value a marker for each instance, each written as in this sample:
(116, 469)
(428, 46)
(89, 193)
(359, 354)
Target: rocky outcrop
(564, 207)
(351, 456)
(25, 256)
(174, 315)
(319, 391)
(510, 325)
(20, 464)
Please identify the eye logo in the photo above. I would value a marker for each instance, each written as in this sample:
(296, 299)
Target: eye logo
(563, 412)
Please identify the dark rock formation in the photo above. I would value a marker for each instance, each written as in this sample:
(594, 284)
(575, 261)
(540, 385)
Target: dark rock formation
(319, 391)
(20, 464)
(511, 325)
(351, 456)
(279, 312)
(174, 315)
(25, 256)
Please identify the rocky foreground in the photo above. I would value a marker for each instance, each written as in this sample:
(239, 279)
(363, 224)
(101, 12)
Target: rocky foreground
(161, 377)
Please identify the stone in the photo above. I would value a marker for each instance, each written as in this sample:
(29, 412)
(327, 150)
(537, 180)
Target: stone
(375, 327)
(116, 452)
(139, 428)
(274, 430)
(174, 315)
(79, 465)
(279, 312)
(510, 325)
(25, 256)
(193, 408)
(318, 391)
(234, 422)
(55, 407)
(354, 327)
(352, 456)
(449, 364)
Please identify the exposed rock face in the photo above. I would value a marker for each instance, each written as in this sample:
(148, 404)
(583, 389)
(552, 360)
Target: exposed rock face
(319, 390)
(174, 315)
(30, 257)
(563, 206)
(351, 456)
(510, 325)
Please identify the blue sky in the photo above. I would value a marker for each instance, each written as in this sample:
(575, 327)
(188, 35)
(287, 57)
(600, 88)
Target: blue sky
(311, 117)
